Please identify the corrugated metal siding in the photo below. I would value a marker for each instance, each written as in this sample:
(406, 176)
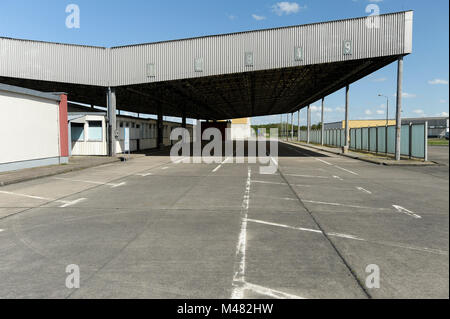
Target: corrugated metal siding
(322, 43)
(223, 54)
(54, 62)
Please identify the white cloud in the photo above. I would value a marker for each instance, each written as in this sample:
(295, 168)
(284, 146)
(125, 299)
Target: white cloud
(258, 18)
(380, 112)
(420, 112)
(368, 112)
(318, 109)
(443, 101)
(443, 114)
(286, 8)
(232, 17)
(379, 80)
(438, 81)
(340, 109)
(407, 95)
(375, 0)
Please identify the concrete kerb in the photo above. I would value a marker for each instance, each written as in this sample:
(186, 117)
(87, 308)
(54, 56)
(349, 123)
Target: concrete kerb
(48, 171)
(380, 161)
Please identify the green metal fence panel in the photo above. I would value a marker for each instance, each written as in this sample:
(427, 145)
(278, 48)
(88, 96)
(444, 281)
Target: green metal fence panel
(373, 139)
(382, 139)
(365, 139)
(404, 144)
(358, 138)
(418, 140)
(391, 139)
(352, 139)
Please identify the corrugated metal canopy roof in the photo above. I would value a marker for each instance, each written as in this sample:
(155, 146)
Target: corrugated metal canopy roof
(275, 82)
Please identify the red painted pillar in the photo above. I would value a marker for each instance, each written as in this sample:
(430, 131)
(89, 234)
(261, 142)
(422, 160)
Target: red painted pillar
(63, 127)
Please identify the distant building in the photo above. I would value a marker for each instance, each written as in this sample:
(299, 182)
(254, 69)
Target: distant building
(241, 129)
(437, 126)
(357, 124)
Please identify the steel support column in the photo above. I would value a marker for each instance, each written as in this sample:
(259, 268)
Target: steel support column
(347, 127)
(292, 126)
(308, 132)
(111, 113)
(322, 129)
(160, 128)
(298, 126)
(398, 118)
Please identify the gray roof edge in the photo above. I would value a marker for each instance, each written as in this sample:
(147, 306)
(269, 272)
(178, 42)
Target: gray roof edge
(21, 90)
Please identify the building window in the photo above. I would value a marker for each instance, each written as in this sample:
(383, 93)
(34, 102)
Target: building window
(95, 132)
(77, 132)
(121, 124)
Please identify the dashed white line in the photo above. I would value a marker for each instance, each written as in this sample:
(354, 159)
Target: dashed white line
(346, 170)
(307, 176)
(90, 182)
(144, 174)
(325, 162)
(352, 237)
(363, 190)
(343, 205)
(337, 177)
(239, 275)
(273, 183)
(73, 202)
(270, 292)
(218, 167)
(164, 168)
(25, 195)
(403, 210)
(284, 226)
(2, 230)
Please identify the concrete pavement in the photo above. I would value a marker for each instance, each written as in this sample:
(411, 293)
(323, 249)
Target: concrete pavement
(150, 228)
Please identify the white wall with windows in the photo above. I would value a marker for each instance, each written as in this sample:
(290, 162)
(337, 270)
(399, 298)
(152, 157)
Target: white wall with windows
(88, 135)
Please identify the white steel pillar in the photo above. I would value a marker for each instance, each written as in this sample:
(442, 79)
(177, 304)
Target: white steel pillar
(398, 118)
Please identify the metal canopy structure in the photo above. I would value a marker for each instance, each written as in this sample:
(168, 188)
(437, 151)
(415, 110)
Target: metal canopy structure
(227, 76)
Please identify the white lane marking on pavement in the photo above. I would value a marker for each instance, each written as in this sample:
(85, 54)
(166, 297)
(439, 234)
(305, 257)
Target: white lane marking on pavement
(343, 205)
(363, 190)
(270, 292)
(274, 161)
(337, 177)
(34, 197)
(164, 168)
(325, 162)
(273, 183)
(67, 204)
(347, 236)
(284, 226)
(218, 167)
(346, 170)
(25, 195)
(403, 210)
(180, 160)
(239, 275)
(90, 182)
(118, 185)
(1, 230)
(307, 176)
(341, 168)
(144, 175)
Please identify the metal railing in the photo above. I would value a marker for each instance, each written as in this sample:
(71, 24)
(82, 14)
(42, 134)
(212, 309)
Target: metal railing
(378, 139)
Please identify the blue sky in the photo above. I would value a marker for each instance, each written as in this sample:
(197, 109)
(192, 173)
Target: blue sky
(112, 23)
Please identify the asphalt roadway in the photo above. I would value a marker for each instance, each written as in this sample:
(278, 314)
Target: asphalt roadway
(153, 228)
